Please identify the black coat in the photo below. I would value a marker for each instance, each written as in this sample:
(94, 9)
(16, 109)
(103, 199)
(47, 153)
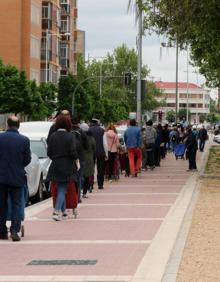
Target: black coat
(191, 142)
(98, 133)
(62, 151)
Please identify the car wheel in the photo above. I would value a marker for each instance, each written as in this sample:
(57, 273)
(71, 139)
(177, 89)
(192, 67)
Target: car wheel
(40, 193)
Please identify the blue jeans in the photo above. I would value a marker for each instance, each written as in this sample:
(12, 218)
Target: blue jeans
(16, 194)
(61, 196)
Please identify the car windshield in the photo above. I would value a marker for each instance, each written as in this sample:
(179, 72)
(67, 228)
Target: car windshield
(38, 147)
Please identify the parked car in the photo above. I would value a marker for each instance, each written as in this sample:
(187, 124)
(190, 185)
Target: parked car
(217, 138)
(37, 132)
(34, 179)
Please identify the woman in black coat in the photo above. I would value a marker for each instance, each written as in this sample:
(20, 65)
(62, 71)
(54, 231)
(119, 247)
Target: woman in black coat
(62, 151)
(191, 147)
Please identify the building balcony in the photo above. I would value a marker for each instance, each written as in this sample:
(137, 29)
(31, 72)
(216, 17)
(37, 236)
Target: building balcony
(65, 9)
(64, 62)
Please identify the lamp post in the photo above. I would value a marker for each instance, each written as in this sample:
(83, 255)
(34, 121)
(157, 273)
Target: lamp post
(187, 75)
(139, 66)
(177, 98)
(176, 91)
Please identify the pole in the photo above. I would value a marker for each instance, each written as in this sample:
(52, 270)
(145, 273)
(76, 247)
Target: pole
(46, 57)
(187, 71)
(139, 65)
(177, 100)
(100, 81)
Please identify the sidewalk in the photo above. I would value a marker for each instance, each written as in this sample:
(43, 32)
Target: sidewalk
(125, 232)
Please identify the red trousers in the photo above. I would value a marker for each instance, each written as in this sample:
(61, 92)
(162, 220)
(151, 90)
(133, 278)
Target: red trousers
(134, 154)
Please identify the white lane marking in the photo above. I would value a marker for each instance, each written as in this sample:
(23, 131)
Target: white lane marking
(134, 194)
(76, 242)
(66, 278)
(100, 219)
(126, 205)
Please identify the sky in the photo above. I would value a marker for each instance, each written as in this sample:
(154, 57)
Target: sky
(108, 24)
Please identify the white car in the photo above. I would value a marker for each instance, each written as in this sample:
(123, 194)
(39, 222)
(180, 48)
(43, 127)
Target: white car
(217, 138)
(34, 179)
(37, 132)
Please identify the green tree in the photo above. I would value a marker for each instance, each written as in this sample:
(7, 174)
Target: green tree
(212, 117)
(66, 88)
(48, 92)
(15, 96)
(171, 116)
(192, 23)
(183, 114)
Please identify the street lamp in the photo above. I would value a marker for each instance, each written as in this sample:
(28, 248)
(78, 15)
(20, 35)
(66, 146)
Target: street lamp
(100, 72)
(139, 66)
(177, 61)
(187, 72)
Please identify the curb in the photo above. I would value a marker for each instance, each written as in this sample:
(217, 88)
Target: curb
(172, 268)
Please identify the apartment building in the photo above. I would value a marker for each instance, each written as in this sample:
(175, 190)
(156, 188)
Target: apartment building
(196, 97)
(80, 46)
(39, 36)
(59, 36)
(68, 36)
(20, 35)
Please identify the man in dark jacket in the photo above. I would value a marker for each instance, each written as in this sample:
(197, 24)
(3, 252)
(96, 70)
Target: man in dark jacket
(14, 156)
(203, 136)
(81, 147)
(100, 154)
(191, 147)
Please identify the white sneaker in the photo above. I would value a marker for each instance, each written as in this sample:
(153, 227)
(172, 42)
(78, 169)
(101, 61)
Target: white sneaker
(56, 216)
(64, 215)
(75, 213)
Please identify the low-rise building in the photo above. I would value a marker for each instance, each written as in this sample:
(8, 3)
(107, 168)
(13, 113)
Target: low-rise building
(190, 95)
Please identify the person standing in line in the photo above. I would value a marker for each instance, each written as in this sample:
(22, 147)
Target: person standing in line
(89, 160)
(173, 138)
(113, 145)
(202, 136)
(101, 153)
(53, 126)
(15, 155)
(63, 169)
(191, 147)
(149, 143)
(132, 137)
(81, 147)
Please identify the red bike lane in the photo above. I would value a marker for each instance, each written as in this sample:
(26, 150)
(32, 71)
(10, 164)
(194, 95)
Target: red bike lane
(107, 242)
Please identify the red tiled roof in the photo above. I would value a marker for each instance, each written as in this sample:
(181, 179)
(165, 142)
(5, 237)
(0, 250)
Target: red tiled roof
(172, 85)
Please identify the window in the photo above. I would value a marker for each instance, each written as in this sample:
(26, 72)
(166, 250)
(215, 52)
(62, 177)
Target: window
(35, 47)
(64, 51)
(46, 11)
(65, 25)
(35, 14)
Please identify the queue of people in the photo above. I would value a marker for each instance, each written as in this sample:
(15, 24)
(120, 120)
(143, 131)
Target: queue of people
(75, 149)
(92, 145)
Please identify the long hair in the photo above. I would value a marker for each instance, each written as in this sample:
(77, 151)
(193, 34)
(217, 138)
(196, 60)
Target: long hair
(111, 127)
(63, 122)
